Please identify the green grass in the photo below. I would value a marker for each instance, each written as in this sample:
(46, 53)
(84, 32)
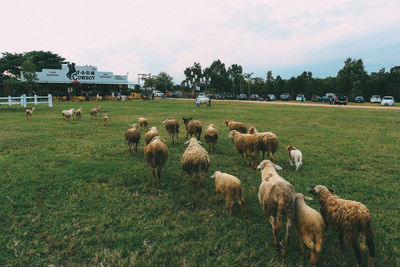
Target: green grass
(70, 194)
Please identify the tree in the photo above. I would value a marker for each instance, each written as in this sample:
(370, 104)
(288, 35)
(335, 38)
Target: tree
(219, 76)
(163, 82)
(29, 73)
(352, 71)
(270, 82)
(11, 64)
(45, 60)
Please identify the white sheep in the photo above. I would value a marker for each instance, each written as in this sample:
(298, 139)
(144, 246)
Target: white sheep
(67, 114)
(106, 120)
(350, 218)
(29, 112)
(310, 227)
(195, 159)
(295, 155)
(277, 198)
(156, 153)
(229, 186)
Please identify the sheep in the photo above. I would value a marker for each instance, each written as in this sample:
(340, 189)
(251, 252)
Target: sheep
(246, 144)
(172, 127)
(67, 114)
(151, 134)
(106, 120)
(132, 135)
(295, 155)
(29, 113)
(78, 114)
(350, 218)
(156, 153)
(143, 123)
(267, 142)
(238, 126)
(98, 108)
(195, 159)
(93, 112)
(309, 226)
(192, 127)
(211, 137)
(277, 197)
(229, 186)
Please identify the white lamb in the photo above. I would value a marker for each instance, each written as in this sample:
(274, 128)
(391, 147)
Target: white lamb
(67, 114)
(295, 155)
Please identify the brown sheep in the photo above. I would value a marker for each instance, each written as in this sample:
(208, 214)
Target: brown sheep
(132, 135)
(78, 114)
(310, 227)
(267, 142)
(229, 186)
(172, 127)
(151, 134)
(93, 113)
(350, 218)
(246, 144)
(156, 153)
(143, 123)
(29, 113)
(195, 159)
(192, 127)
(211, 137)
(277, 197)
(106, 120)
(238, 126)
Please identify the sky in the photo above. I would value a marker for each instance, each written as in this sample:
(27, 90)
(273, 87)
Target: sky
(286, 37)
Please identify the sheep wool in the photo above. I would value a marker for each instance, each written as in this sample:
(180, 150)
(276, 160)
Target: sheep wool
(246, 144)
(238, 126)
(195, 160)
(172, 127)
(211, 138)
(132, 135)
(151, 134)
(156, 153)
(143, 123)
(78, 114)
(29, 113)
(350, 218)
(193, 127)
(229, 186)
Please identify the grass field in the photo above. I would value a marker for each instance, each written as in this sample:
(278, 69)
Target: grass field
(71, 195)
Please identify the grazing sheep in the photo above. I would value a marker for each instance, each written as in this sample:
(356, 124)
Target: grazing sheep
(309, 227)
(195, 159)
(156, 153)
(106, 120)
(78, 114)
(151, 134)
(93, 113)
(172, 127)
(267, 142)
(67, 114)
(98, 108)
(29, 113)
(211, 137)
(277, 198)
(246, 144)
(192, 127)
(143, 123)
(132, 135)
(229, 186)
(295, 155)
(350, 218)
(238, 126)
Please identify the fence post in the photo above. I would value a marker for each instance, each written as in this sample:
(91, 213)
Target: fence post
(24, 100)
(9, 100)
(50, 100)
(35, 97)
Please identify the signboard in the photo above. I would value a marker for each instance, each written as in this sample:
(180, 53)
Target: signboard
(83, 74)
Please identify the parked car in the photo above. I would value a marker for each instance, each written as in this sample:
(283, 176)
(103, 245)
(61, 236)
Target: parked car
(387, 101)
(300, 97)
(230, 96)
(359, 99)
(270, 97)
(175, 94)
(242, 97)
(375, 99)
(219, 96)
(324, 99)
(254, 97)
(339, 99)
(285, 96)
(159, 94)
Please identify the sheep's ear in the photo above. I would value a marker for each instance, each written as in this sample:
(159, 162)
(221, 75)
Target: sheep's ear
(331, 190)
(163, 122)
(199, 142)
(162, 139)
(259, 167)
(307, 198)
(277, 167)
(212, 176)
(187, 142)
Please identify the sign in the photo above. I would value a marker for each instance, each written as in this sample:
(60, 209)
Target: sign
(82, 74)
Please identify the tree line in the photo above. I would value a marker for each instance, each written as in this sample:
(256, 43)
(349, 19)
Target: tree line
(351, 80)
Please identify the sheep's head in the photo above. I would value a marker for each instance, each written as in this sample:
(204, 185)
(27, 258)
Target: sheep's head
(301, 196)
(33, 108)
(268, 163)
(212, 126)
(192, 141)
(153, 128)
(73, 110)
(290, 148)
(215, 174)
(252, 130)
(155, 138)
(232, 134)
(318, 189)
(186, 120)
(227, 122)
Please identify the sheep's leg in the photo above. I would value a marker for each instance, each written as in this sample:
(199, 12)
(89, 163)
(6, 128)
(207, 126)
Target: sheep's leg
(315, 251)
(284, 250)
(272, 222)
(357, 252)
(271, 156)
(154, 176)
(229, 204)
(136, 146)
(159, 175)
(301, 242)
(130, 149)
(263, 152)
(177, 137)
(290, 162)
(340, 235)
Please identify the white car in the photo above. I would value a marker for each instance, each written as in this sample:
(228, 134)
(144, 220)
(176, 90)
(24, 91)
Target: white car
(300, 97)
(158, 94)
(375, 99)
(387, 101)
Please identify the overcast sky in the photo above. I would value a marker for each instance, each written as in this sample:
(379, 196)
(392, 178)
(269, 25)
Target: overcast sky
(286, 37)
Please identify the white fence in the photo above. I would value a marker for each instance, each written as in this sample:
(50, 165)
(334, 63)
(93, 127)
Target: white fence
(23, 100)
